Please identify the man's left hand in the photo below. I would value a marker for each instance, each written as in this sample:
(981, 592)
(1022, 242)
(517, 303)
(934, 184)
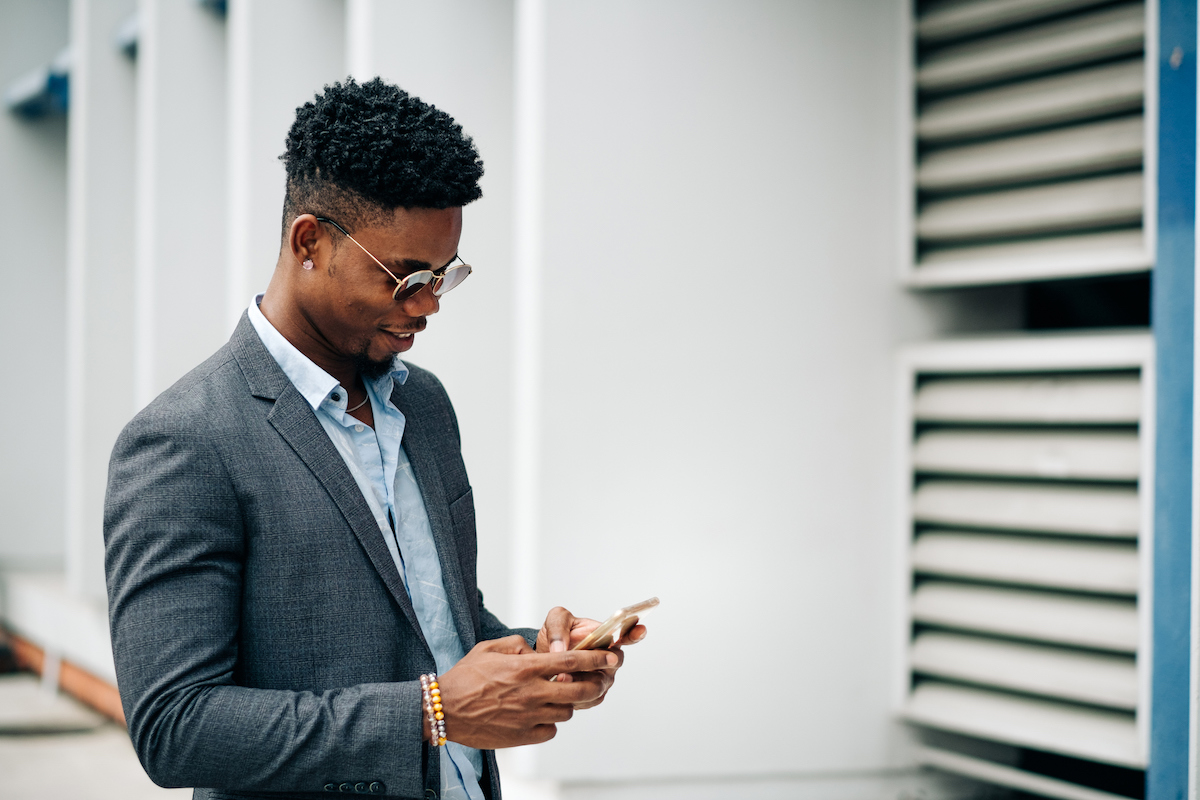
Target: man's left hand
(562, 630)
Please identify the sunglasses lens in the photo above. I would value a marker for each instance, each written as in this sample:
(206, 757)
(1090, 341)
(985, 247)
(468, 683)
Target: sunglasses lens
(453, 277)
(412, 284)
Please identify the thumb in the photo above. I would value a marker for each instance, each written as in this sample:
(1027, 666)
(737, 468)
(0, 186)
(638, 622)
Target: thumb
(510, 645)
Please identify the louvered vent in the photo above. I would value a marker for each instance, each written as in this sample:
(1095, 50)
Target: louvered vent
(1030, 139)
(1025, 522)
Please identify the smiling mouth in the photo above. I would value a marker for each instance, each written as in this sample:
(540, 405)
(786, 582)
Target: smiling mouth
(402, 337)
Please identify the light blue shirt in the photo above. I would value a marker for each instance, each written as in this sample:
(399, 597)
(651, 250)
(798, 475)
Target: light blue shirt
(376, 459)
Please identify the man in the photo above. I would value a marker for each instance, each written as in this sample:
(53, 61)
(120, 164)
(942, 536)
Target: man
(290, 534)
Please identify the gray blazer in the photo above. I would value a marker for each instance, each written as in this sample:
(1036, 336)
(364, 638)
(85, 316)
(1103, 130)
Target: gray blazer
(264, 642)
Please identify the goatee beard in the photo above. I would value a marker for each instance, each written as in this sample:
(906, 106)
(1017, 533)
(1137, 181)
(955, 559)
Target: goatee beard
(369, 368)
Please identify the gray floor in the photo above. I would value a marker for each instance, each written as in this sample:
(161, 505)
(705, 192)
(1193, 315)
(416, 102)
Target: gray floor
(53, 748)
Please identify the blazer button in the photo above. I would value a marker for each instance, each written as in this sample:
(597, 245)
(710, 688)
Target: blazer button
(331, 787)
(376, 787)
(346, 787)
(360, 787)
(430, 794)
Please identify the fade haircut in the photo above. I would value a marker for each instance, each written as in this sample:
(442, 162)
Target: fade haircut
(360, 151)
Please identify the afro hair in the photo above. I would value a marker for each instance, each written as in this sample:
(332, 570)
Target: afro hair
(360, 151)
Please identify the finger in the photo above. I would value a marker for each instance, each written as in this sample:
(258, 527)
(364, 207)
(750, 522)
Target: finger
(559, 646)
(514, 645)
(635, 635)
(583, 690)
(548, 664)
(580, 629)
(560, 712)
(558, 628)
(616, 651)
(603, 679)
(542, 733)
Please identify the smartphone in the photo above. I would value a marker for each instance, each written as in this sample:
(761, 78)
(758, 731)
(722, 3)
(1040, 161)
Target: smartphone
(613, 629)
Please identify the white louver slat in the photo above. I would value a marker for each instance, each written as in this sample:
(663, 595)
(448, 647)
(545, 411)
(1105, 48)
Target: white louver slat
(1077, 254)
(1079, 455)
(1047, 398)
(1084, 511)
(1094, 147)
(1027, 575)
(1060, 98)
(1030, 141)
(953, 19)
(1073, 205)
(1095, 678)
(1082, 566)
(1043, 724)
(1086, 38)
(1095, 622)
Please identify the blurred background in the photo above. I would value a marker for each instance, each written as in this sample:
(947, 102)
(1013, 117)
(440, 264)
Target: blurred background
(829, 322)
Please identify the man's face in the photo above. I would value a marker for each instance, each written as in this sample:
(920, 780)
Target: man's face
(351, 304)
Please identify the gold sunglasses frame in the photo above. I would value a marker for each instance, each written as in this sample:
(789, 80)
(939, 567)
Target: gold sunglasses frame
(436, 279)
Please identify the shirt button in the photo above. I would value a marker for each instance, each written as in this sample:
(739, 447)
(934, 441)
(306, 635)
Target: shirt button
(335, 397)
(358, 428)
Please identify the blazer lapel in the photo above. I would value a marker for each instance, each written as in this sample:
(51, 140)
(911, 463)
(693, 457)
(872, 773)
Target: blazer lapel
(295, 421)
(419, 443)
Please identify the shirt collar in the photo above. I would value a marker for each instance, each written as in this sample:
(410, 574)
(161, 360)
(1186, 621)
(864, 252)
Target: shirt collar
(314, 384)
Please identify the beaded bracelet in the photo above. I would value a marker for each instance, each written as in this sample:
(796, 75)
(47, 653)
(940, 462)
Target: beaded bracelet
(433, 708)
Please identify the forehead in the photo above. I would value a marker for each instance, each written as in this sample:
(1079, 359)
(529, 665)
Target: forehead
(420, 233)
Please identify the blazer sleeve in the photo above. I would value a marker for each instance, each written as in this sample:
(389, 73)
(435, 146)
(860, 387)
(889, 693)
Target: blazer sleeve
(493, 628)
(174, 549)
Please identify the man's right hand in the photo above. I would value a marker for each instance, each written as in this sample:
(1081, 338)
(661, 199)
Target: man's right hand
(500, 693)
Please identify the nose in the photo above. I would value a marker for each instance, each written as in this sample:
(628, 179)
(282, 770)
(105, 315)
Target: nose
(423, 303)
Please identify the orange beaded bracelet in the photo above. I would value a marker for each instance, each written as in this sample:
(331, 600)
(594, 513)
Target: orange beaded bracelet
(433, 709)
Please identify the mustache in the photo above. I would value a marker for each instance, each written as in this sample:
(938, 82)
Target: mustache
(417, 328)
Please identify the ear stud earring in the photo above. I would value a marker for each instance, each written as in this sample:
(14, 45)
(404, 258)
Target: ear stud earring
(307, 263)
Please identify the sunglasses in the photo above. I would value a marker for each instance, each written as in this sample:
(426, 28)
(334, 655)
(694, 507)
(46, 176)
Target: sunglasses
(440, 280)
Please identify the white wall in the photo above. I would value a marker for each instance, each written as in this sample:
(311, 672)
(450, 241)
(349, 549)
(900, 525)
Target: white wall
(33, 203)
(458, 56)
(275, 65)
(720, 314)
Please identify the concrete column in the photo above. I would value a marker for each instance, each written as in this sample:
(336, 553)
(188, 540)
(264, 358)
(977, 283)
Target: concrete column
(458, 55)
(180, 291)
(99, 363)
(281, 52)
(33, 205)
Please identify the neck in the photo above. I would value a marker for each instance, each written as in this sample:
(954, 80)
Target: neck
(294, 325)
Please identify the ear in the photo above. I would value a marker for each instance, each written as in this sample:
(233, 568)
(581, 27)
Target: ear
(305, 238)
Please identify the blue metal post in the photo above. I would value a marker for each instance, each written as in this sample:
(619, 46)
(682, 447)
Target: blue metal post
(1173, 315)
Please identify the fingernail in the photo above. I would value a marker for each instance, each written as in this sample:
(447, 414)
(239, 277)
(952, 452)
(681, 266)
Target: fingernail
(612, 659)
(558, 646)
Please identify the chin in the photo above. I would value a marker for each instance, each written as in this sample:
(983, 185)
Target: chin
(373, 368)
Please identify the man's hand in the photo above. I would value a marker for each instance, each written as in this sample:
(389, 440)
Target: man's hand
(500, 693)
(562, 630)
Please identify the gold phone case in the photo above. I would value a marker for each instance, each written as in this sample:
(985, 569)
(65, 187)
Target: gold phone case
(613, 629)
